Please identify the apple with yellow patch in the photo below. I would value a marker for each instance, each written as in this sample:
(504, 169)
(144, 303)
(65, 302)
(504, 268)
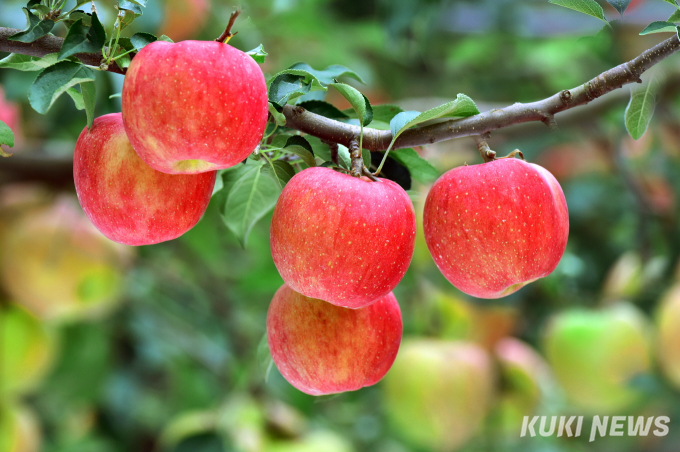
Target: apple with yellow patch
(321, 348)
(126, 199)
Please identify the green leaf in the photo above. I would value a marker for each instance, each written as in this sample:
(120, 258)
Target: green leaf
(590, 7)
(132, 6)
(323, 108)
(675, 17)
(126, 17)
(41, 9)
(54, 80)
(672, 2)
(87, 89)
(6, 135)
(28, 63)
(250, 198)
(258, 54)
(420, 169)
(77, 98)
(281, 172)
(278, 116)
(141, 40)
(330, 74)
(83, 39)
(358, 101)
(290, 84)
(299, 146)
(366, 156)
(35, 28)
(659, 26)
(619, 5)
(641, 108)
(463, 106)
(165, 38)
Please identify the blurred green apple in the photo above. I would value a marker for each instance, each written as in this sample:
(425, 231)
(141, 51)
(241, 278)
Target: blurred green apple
(668, 334)
(19, 430)
(26, 350)
(58, 266)
(526, 377)
(596, 354)
(319, 441)
(438, 392)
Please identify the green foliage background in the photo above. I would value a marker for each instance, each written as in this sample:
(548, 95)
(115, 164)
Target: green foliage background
(183, 357)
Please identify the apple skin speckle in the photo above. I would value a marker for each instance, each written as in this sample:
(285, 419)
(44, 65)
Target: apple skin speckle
(495, 227)
(194, 106)
(126, 199)
(321, 348)
(328, 234)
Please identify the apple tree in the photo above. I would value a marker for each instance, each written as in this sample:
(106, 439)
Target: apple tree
(276, 227)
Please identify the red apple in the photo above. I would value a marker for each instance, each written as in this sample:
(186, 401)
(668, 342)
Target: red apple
(194, 106)
(342, 239)
(10, 115)
(495, 227)
(126, 199)
(438, 393)
(321, 348)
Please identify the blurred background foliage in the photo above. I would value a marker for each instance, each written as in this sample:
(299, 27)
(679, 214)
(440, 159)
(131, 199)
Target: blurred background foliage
(161, 348)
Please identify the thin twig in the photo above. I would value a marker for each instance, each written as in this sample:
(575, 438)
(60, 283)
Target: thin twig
(378, 140)
(227, 34)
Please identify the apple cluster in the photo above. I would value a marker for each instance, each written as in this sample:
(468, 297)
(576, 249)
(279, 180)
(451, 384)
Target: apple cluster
(188, 109)
(341, 243)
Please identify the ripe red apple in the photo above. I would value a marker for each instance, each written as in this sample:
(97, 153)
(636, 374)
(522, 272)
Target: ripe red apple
(342, 239)
(126, 199)
(438, 393)
(321, 348)
(194, 106)
(495, 227)
(668, 337)
(596, 354)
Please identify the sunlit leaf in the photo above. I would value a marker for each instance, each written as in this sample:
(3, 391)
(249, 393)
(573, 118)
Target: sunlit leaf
(590, 7)
(28, 63)
(258, 54)
(641, 108)
(54, 80)
(659, 27)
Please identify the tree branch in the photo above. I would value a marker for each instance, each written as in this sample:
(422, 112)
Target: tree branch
(376, 140)
(544, 110)
(46, 45)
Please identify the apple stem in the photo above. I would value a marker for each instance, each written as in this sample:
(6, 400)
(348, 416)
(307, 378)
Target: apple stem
(357, 161)
(334, 151)
(487, 154)
(227, 34)
(368, 174)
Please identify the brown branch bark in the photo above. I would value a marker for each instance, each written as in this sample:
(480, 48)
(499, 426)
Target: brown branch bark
(376, 140)
(46, 45)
